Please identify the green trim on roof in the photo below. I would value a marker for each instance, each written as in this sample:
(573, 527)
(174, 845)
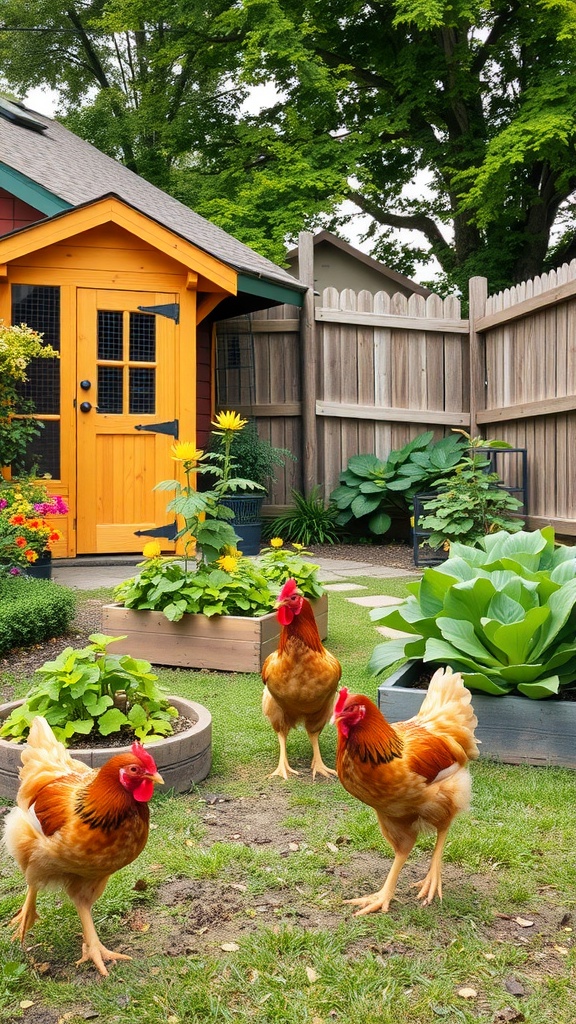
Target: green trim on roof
(30, 192)
(269, 290)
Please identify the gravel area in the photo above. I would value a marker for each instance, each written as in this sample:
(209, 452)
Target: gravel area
(397, 556)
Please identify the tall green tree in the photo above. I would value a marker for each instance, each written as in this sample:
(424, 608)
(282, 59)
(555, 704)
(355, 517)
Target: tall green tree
(369, 97)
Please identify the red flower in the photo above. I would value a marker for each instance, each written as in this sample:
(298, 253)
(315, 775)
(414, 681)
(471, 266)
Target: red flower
(30, 555)
(18, 520)
(21, 542)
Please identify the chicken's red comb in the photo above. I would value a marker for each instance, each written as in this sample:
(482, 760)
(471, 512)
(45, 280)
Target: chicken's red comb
(289, 588)
(146, 758)
(342, 698)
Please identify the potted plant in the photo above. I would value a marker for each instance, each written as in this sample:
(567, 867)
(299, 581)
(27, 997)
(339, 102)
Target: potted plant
(504, 615)
(468, 502)
(26, 534)
(216, 615)
(98, 702)
(255, 459)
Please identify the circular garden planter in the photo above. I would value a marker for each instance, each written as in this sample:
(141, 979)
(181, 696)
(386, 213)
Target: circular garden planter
(182, 759)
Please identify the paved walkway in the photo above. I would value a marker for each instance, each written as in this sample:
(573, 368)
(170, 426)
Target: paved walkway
(93, 573)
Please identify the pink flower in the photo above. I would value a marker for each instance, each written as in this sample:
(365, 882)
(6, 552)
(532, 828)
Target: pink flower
(3, 503)
(15, 571)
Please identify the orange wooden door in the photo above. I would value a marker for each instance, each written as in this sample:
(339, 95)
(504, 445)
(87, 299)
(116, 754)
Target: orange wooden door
(126, 381)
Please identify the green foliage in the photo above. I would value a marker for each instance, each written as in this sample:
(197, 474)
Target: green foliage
(32, 611)
(502, 613)
(278, 564)
(253, 457)
(476, 101)
(19, 345)
(231, 586)
(83, 692)
(470, 502)
(310, 521)
(371, 491)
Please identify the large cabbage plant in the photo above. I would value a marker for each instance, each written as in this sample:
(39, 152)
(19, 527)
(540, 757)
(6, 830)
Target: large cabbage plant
(503, 614)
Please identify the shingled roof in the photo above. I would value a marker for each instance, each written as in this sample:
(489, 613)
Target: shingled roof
(75, 172)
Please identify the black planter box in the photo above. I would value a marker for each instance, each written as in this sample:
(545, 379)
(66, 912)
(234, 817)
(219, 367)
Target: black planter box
(515, 730)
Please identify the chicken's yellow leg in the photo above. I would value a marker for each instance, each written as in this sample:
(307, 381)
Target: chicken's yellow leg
(432, 884)
(283, 768)
(27, 916)
(381, 900)
(317, 762)
(92, 948)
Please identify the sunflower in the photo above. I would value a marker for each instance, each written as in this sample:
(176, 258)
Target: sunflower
(228, 563)
(152, 549)
(229, 421)
(186, 451)
(276, 542)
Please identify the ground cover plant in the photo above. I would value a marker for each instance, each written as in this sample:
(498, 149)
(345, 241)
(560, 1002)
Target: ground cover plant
(235, 912)
(32, 610)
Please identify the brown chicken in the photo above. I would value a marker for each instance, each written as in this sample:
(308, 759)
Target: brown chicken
(413, 774)
(301, 678)
(74, 826)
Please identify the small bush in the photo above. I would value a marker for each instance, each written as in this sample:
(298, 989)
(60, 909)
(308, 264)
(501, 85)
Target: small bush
(310, 521)
(32, 611)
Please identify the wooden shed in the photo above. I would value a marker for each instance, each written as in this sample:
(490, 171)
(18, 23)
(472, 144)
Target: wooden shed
(127, 283)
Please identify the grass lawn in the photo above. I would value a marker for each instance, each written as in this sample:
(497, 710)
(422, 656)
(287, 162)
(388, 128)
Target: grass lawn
(235, 912)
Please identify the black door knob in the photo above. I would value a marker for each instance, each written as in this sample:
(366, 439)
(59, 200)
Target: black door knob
(85, 406)
(85, 385)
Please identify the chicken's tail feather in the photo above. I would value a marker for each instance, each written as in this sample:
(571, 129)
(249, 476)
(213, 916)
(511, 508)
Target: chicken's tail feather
(44, 759)
(447, 712)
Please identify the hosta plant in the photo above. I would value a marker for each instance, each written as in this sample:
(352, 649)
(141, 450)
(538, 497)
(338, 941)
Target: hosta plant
(503, 614)
(90, 692)
(371, 491)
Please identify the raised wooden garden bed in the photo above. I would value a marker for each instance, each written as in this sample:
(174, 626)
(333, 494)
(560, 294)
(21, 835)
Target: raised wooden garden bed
(515, 730)
(182, 759)
(227, 642)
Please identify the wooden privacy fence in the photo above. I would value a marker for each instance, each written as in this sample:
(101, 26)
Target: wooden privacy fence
(366, 373)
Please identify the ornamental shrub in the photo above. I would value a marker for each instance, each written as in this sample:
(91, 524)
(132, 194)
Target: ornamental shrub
(32, 611)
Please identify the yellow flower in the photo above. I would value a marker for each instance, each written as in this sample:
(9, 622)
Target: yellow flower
(297, 547)
(152, 549)
(186, 451)
(228, 563)
(234, 552)
(276, 542)
(229, 421)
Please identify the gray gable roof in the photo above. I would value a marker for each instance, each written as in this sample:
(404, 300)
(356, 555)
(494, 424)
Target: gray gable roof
(78, 173)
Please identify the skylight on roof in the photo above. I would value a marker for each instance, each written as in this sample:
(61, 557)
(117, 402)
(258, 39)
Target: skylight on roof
(19, 115)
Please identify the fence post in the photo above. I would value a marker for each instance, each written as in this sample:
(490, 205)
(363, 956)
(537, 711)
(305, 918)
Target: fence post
(308, 363)
(477, 296)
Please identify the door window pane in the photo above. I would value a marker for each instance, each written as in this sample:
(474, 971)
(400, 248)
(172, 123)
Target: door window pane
(142, 338)
(110, 345)
(142, 390)
(110, 389)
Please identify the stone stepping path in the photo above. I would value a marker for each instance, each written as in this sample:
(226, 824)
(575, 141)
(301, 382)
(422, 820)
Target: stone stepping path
(376, 602)
(393, 634)
(344, 586)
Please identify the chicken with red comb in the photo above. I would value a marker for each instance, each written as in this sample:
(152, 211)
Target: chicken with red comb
(74, 826)
(412, 773)
(301, 679)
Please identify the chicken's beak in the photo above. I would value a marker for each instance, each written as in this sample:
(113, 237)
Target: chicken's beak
(157, 778)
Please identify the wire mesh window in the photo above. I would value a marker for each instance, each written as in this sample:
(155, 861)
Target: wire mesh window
(142, 338)
(128, 339)
(235, 373)
(142, 390)
(110, 389)
(110, 335)
(38, 306)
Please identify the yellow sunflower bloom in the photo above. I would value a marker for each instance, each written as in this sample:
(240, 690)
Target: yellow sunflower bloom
(229, 421)
(276, 542)
(228, 563)
(186, 451)
(152, 549)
